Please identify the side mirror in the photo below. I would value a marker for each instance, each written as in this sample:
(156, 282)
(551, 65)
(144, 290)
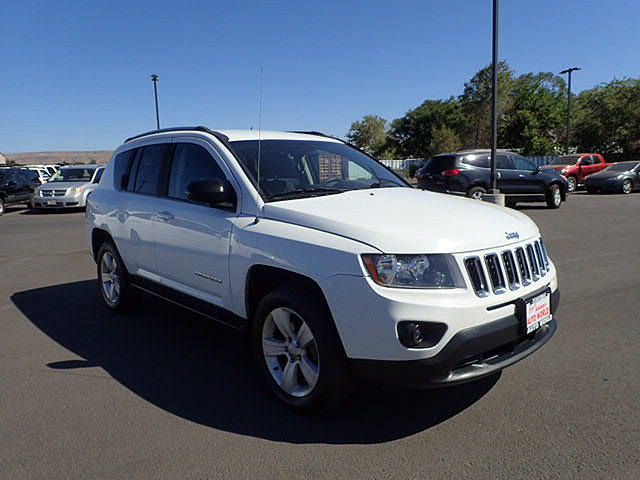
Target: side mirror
(538, 169)
(213, 192)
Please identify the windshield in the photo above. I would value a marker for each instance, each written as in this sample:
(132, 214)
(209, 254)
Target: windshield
(565, 160)
(73, 175)
(295, 168)
(621, 167)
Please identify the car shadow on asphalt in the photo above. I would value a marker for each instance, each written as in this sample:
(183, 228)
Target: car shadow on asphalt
(201, 371)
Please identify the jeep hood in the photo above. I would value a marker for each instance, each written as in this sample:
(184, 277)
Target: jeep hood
(407, 220)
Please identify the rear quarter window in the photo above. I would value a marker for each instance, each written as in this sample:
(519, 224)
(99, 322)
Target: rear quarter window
(122, 167)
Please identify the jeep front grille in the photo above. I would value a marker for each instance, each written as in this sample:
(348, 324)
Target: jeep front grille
(510, 269)
(476, 275)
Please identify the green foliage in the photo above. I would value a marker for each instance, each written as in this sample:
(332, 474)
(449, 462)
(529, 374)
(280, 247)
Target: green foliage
(534, 122)
(369, 134)
(413, 135)
(607, 118)
(532, 112)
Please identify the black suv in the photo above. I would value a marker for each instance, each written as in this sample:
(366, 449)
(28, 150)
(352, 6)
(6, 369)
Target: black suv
(16, 186)
(469, 173)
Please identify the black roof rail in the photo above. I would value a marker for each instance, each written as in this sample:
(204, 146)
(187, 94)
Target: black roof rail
(199, 128)
(312, 132)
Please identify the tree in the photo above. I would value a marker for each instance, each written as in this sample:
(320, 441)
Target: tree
(413, 134)
(475, 102)
(534, 122)
(443, 140)
(369, 134)
(607, 118)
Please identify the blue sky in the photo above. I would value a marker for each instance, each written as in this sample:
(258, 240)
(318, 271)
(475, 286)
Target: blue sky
(75, 75)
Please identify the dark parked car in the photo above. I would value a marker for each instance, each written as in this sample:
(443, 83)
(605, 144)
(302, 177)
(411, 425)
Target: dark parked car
(16, 186)
(469, 173)
(622, 177)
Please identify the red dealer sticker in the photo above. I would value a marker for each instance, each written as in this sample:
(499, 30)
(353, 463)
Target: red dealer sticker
(538, 310)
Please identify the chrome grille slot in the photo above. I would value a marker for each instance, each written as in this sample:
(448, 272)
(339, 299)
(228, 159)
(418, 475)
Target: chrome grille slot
(510, 269)
(545, 254)
(47, 193)
(531, 256)
(476, 274)
(525, 272)
(495, 273)
(540, 258)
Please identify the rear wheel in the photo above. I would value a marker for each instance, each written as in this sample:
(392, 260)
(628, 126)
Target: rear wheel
(113, 279)
(573, 183)
(476, 193)
(1, 206)
(298, 351)
(553, 197)
(627, 186)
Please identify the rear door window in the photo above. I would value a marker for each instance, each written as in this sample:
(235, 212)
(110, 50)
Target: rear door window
(150, 168)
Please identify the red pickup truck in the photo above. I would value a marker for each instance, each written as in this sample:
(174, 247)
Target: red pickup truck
(576, 167)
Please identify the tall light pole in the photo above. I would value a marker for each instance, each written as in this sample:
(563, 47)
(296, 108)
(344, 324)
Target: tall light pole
(494, 97)
(154, 79)
(568, 71)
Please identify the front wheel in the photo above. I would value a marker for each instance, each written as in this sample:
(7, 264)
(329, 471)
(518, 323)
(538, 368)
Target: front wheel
(627, 186)
(476, 193)
(298, 351)
(553, 198)
(573, 183)
(1, 207)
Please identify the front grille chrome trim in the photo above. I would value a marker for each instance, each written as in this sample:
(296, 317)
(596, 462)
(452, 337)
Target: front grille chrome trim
(476, 274)
(495, 273)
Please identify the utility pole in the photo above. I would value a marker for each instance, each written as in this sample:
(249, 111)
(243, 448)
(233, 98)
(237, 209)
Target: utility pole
(494, 97)
(568, 71)
(154, 79)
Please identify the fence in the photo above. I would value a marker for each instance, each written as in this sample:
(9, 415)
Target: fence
(403, 164)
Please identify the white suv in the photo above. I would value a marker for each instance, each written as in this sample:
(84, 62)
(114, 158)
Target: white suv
(334, 264)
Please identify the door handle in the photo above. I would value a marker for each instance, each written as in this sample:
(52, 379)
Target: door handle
(165, 216)
(521, 175)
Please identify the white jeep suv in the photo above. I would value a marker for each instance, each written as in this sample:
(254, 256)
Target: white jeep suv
(332, 262)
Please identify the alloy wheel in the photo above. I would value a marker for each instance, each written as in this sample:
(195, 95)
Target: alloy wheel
(557, 197)
(290, 352)
(110, 278)
(572, 184)
(626, 186)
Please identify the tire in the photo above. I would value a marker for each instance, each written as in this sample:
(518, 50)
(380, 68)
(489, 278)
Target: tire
(304, 364)
(627, 186)
(510, 204)
(476, 193)
(554, 197)
(113, 278)
(1, 206)
(573, 183)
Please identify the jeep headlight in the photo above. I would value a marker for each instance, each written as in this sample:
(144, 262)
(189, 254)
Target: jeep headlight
(414, 271)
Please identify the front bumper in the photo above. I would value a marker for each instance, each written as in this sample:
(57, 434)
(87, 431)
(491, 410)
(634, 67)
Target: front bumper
(471, 354)
(67, 201)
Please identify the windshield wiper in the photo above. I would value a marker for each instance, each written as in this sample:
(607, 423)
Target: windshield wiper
(302, 191)
(383, 181)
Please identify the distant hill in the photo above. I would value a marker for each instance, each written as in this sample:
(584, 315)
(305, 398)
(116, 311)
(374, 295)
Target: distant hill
(47, 158)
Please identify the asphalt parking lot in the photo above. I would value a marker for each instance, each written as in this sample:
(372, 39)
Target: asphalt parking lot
(164, 393)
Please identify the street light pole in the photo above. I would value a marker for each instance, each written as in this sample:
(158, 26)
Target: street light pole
(568, 71)
(494, 97)
(154, 79)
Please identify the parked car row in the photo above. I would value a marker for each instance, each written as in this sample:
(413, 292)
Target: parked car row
(68, 187)
(468, 173)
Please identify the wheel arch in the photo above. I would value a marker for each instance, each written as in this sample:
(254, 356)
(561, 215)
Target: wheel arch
(98, 237)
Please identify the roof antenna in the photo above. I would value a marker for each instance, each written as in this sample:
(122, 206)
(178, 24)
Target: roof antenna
(259, 145)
